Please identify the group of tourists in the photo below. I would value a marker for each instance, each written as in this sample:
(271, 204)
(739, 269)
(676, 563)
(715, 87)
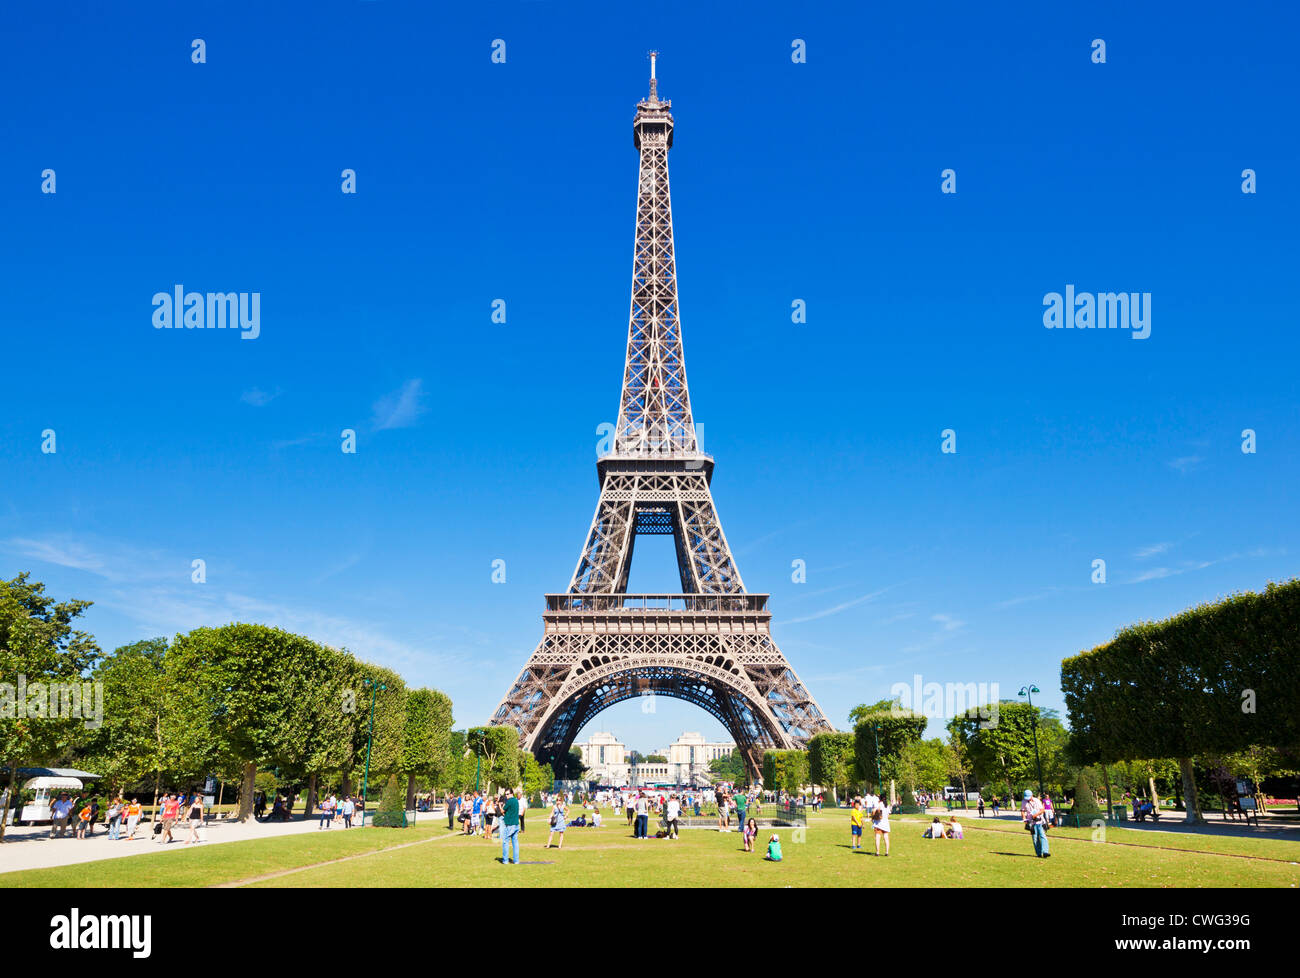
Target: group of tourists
(122, 817)
(869, 809)
(339, 811)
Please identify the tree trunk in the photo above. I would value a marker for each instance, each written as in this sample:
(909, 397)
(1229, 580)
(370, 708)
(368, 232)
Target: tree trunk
(246, 792)
(311, 796)
(9, 797)
(1191, 800)
(410, 791)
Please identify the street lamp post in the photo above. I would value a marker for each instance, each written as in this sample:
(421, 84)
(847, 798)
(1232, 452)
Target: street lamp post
(1028, 692)
(875, 731)
(370, 737)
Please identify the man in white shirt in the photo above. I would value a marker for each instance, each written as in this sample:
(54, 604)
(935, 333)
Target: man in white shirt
(671, 812)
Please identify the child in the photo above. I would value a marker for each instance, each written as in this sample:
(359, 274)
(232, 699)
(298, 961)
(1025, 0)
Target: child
(774, 849)
(751, 833)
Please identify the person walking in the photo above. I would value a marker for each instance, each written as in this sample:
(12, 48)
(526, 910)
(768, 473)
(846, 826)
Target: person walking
(114, 817)
(880, 824)
(510, 828)
(559, 818)
(171, 809)
(1032, 814)
(132, 818)
(195, 819)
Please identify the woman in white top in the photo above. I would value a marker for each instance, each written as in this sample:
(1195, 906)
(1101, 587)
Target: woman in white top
(880, 821)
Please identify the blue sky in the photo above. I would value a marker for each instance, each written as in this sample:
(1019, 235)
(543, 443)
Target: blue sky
(476, 441)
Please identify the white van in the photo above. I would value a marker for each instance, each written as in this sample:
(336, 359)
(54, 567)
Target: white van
(38, 809)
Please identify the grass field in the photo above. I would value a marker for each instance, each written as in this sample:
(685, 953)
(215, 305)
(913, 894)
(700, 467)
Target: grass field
(992, 855)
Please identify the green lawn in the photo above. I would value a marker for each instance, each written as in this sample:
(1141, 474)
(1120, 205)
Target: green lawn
(989, 857)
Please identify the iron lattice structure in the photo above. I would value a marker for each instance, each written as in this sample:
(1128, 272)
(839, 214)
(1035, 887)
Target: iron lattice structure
(711, 645)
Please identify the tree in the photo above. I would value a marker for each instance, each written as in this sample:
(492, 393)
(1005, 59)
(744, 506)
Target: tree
(1085, 799)
(383, 750)
(957, 762)
(498, 748)
(898, 728)
(1214, 679)
(785, 769)
(537, 777)
(728, 767)
(135, 739)
(427, 742)
(570, 767)
(390, 813)
(1002, 752)
(41, 651)
(249, 696)
(831, 761)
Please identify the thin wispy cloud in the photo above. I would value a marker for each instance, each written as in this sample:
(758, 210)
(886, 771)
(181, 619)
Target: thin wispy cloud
(400, 409)
(836, 609)
(257, 397)
(1186, 463)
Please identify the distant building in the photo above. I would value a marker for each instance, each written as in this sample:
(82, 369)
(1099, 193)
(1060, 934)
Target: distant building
(688, 760)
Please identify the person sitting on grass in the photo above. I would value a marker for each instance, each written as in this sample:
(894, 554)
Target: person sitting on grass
(751, 833)
(773, 849)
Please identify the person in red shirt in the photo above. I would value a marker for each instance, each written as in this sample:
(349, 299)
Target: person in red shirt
(171, 809)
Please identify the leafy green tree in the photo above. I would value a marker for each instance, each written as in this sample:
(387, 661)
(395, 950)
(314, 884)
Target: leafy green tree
(897, 728)
(1001, 751)
(498, 747)
(384, 749)
(391, 813)
(786, 769)
(537, 777)
(728, 767)
(38, 643)
(136, 740)
(831, 761)
(249, 696)
(1214, 679)
(427, 743)
(1085, 799)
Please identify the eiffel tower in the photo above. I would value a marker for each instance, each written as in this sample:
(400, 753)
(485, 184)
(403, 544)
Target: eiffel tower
(711, 645)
